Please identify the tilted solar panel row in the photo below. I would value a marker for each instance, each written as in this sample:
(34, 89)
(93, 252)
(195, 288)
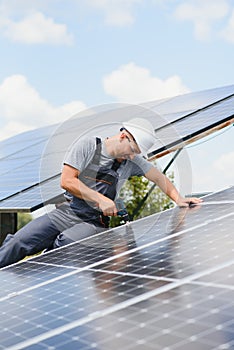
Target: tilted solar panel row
(30, 161)
(162, 282)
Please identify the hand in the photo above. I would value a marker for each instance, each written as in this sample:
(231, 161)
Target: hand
(186, 202)
(107, 206)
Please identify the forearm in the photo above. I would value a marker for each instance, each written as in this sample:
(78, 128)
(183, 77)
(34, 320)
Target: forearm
(181, 201)
(78, 189)
(169, 189)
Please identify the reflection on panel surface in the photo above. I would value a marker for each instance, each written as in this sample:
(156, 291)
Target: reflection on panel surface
(31, 158)
(162, 282)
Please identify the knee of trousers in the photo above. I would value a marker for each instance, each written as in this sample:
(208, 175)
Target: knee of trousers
(18, 244)
(12, 251)
(76, 233)
(35, 236)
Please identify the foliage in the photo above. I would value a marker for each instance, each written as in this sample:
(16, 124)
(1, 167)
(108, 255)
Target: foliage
(23, 219)
(132, 193)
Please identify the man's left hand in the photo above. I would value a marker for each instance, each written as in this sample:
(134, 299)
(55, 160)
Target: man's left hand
(186, 202)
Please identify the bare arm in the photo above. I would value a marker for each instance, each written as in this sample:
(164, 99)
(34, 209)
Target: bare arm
(169, 189)
(71, 183)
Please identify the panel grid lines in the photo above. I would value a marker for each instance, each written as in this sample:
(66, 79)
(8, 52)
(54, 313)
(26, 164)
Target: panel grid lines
(162, 282)
(40, 152)
(187, 116)
(112, 309)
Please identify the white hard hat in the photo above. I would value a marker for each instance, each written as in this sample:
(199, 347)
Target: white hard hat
(143, 132)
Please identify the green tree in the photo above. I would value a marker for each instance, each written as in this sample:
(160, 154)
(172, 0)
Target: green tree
(23, 219)
(133, 192)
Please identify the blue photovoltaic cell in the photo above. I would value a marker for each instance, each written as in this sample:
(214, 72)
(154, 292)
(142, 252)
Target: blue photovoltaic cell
(162, 282)
(34, 197)
(176, 107)
(16, 144)
(36, 156)
(197, 123)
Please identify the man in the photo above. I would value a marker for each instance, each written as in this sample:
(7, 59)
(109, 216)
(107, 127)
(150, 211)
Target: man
(93, 172)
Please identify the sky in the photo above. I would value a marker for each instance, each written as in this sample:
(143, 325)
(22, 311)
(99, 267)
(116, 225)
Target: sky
(59, 57)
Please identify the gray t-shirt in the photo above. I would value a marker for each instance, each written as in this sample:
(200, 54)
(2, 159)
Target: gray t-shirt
(83, 150)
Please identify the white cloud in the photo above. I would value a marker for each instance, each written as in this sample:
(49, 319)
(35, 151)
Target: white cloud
(225, 165)
(22, 108)
(35, 28)
(19, 6)
(133, 84)
(228, 32)
(203, 14)
(116, 12)
(213, 175)
(222, 171)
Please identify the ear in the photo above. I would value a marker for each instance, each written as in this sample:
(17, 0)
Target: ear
(122, 136)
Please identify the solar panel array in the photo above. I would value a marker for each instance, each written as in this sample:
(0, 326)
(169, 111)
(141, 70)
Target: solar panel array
(31, 162)
(186, 128)
(162, 282)
(177, 107)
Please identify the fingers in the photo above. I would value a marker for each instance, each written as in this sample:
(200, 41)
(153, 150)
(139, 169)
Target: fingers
(108, 208)
(183, 204)
(110, 213)
(187, 202)
(194, 200)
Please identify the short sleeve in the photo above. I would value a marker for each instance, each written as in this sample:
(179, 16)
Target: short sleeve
(81, 153)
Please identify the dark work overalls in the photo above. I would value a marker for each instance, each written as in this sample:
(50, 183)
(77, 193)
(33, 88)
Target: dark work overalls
(71, 221)
(101, 179)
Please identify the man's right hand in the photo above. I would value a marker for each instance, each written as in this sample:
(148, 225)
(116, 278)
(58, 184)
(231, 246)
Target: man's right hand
(107, 206)
(71, 183)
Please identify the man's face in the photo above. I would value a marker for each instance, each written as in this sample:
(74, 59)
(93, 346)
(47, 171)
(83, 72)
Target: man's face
(128, 147)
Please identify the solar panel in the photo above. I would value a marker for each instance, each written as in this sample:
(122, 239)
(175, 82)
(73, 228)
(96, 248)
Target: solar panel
(176, 107)
(20, 160)
(16, 144)
(49, 192)
(33, 158)
(161, 282)
(194, 126)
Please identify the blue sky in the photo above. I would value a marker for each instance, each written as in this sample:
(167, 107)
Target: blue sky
(59, 57)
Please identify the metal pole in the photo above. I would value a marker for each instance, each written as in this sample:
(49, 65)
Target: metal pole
(142, 202)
